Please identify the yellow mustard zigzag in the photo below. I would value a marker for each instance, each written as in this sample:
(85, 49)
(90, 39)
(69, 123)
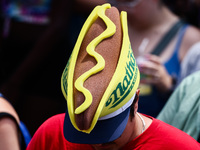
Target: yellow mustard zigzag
(110, 30)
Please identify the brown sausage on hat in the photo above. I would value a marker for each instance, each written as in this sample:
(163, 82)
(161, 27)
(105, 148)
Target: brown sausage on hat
(109, 49)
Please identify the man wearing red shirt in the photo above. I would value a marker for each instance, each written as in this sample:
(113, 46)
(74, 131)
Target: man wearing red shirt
(100, 84)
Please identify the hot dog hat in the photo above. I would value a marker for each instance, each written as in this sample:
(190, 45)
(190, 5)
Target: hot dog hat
(100, 79)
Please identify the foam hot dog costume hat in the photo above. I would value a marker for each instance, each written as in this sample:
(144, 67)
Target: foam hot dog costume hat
(100, 80)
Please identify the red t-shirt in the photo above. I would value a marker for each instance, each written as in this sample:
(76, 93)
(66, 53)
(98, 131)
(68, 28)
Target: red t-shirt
(159, 136)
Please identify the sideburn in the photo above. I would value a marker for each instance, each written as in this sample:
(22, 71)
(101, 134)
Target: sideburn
(132, 115)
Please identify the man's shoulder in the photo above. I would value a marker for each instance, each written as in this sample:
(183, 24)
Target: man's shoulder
(49, 132)
(52, 125)
(174, 137)
(58, 117)
(160, 135)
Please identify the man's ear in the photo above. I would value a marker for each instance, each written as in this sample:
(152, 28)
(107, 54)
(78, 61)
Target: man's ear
(137, 99)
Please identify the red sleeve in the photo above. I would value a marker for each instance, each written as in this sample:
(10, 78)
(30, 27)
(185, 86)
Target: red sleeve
(42, 138)
(49, 136)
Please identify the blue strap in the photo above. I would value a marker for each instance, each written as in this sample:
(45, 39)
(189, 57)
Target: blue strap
(167, 38)
(25, 133)
(180, 37)
(173, 64)
(1, 95)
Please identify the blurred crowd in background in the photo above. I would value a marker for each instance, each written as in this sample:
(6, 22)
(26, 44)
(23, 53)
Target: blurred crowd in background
(36, 40)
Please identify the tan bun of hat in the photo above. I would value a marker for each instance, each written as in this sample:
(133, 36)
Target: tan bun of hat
(101, 77)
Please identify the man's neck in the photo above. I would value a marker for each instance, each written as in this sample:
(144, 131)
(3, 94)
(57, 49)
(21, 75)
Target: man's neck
(138, 125)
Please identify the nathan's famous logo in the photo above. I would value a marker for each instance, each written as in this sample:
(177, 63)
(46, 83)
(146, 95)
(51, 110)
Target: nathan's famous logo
(124, 88)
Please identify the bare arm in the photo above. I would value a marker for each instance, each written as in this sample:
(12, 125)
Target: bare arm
(9, 133)
(9, 138)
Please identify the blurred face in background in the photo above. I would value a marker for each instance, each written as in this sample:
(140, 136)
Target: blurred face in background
(126, 3)
(137, 10)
